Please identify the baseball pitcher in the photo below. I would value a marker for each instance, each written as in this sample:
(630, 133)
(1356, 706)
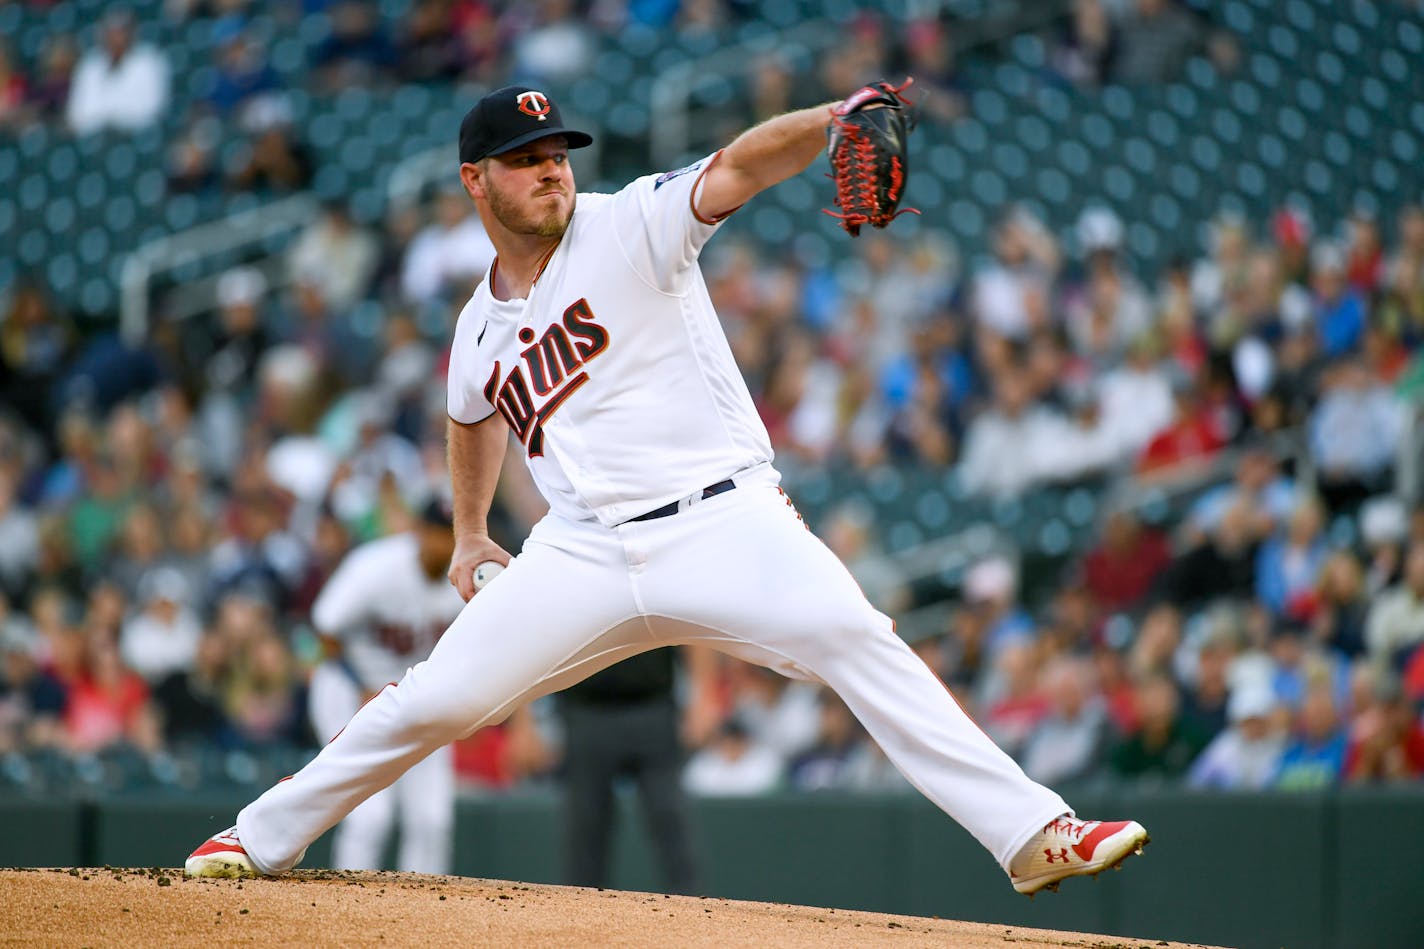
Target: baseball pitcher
(594, 341)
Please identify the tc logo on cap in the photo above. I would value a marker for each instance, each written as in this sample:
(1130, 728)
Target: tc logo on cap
(534, 103)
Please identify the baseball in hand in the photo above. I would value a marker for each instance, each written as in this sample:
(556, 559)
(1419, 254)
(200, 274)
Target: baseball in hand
(486, 572)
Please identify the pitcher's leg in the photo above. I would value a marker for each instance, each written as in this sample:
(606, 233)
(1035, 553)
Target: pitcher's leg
(768, 590)
(512, 643)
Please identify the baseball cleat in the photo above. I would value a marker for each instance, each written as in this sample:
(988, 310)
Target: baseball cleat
(221, 855)
(1068, 847)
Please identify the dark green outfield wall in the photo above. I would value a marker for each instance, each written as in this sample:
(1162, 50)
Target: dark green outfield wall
(1303, 871)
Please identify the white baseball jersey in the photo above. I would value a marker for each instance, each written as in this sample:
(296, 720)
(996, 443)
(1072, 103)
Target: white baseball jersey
(614, 373)
(384, 609)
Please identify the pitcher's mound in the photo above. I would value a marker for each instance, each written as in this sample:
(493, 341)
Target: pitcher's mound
(138, 907)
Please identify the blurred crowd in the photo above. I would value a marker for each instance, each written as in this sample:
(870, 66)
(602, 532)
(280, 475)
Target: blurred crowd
(169, 512)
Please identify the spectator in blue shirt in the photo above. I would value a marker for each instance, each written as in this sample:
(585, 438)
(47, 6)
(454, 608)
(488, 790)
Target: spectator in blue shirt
(1316, 757)
(1339, 311)
(243, 74)
(1289, 564)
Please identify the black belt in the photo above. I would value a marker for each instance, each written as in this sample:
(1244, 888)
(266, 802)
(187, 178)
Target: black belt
(672, 507)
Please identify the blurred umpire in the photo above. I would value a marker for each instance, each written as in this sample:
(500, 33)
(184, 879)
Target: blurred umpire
(623, 723)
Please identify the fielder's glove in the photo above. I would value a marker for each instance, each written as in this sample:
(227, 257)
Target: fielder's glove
(867, 149)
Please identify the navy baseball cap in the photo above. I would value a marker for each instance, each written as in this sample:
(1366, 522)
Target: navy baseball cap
(509, 117)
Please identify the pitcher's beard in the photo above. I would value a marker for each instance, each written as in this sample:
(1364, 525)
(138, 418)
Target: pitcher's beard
(551, 223)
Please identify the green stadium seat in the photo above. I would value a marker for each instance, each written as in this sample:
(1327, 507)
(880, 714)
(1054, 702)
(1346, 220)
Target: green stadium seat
(903, 536)
(1183, 101)
(60, 216)
(368, 204)
(1098, 132)
(1292, 123)
(988, 187)
(1140, 156)
(1384, 176)
(797, 194)
(1118, 182)
(180, 212)
(1027, 50)
(1404, 147)
(1010, 160)
(1163, 128)
(1238, 17)
(32, 248)
(122, 224)
(1032, 133)
(1319, 179)
(93, 246)
(932, 510)
(1118, 102)
(1300, 15)
(1410, 37)
(1283, 42)
(947, 162)
(61, 270)
(970, 136)
(1053, 104)
(1202, 75)
(1165, 212)
(1073, 157)
(1184, 181)
(288, 57)
(1226, 127)
(989, 106)
(34, 191)
(90, 190)
(98, 295)
(1366, 15)
(330, 182)
(34, 142)
(1052, 186)
(357, 155)
(313, 29)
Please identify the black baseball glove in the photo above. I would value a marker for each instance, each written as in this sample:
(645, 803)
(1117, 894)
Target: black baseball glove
(868, 137)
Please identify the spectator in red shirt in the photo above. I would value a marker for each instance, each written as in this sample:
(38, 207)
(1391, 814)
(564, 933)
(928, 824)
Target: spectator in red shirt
(13, 89)
(1365, 262)
(1120, 570)
(108, 704)
(1194, 434)
(1386, 739)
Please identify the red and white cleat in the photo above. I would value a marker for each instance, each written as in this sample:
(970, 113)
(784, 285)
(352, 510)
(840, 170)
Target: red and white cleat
(221, 855)
(1068, 847)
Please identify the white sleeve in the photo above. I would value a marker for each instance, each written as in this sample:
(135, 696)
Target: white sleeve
(342, 602)
(464, 391)
(658, 226)
(82, 110)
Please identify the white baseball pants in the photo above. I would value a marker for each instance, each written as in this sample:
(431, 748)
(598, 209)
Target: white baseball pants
(738, 572)
(423, 797)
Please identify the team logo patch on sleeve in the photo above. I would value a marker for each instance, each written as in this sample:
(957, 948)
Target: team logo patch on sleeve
(667, 176)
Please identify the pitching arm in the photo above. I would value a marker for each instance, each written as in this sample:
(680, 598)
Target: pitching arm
(762, 156)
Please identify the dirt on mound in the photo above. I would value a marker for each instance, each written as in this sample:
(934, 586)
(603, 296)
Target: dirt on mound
(137, 907)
